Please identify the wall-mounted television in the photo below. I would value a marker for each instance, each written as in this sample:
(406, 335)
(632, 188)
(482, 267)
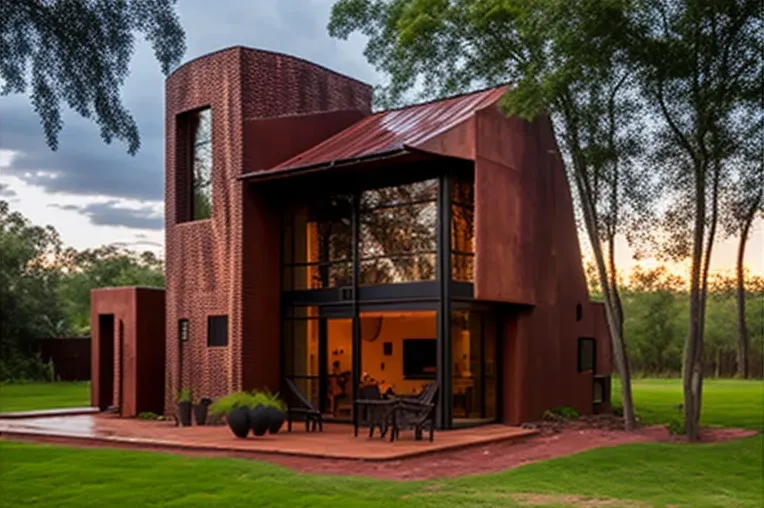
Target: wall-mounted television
(420, 358)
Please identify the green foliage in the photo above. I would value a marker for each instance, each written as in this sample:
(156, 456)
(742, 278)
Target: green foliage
(148, 415)
(224, 405)
(184, 395)
(46, 289)
(566, 412)
(268, 399)
(77, 52)
(675, 426)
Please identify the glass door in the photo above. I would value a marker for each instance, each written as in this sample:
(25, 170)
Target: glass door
(317, 356)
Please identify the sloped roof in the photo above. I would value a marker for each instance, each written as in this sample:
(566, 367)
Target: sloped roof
(395, 130)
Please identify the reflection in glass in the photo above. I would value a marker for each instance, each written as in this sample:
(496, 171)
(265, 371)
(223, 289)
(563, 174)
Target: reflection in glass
(201, 176)
(397, 233)
(462, 231)
(466, 357)
(318, 244)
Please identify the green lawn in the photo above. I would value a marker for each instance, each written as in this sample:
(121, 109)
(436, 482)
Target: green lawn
(33, 396)
(726, 402)
(726, 475)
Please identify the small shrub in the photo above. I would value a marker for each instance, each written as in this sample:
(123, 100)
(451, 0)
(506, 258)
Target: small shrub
(268, 399)
(566, 412)
(184, 395)
(675, 426)
(618, 411)
(148, 415)
(226, 404)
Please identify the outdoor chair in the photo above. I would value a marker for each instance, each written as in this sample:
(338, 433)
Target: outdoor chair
(415, 414)
(373, 410)
(299, 407)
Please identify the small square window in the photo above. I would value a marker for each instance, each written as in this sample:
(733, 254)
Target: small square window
(587, 352)
(217, 331)
(183, 330)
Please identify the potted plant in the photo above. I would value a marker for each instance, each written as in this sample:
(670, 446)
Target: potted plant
(258, 415)
(200, 410)
(184, 407)
(274, 411)
(235, 407)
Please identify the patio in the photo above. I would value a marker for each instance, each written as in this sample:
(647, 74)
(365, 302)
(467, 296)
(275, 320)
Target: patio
(335, 442)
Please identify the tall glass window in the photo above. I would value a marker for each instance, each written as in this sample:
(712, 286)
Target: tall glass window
(463, 230)
(318, 250)
(200, 128)
(397, 236)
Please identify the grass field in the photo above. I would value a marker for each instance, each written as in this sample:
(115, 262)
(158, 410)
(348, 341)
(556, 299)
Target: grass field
(724, 474)
(34, 396)
(726, 402)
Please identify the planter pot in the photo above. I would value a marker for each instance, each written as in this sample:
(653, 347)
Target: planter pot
(258, 420)
(238, 422)
(275, 419)
(200, 411)
(184, 413)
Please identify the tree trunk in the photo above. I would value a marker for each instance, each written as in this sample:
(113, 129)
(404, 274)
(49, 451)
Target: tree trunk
(742, 326)
(692, 368)
(611, 312)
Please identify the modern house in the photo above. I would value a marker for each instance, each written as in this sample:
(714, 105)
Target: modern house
(312, 239)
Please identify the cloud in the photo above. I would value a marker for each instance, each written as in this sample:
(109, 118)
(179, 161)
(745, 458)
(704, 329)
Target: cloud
(114, 213)
(6, 192)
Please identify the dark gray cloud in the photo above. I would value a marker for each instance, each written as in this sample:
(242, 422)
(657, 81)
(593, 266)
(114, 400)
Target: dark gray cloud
(85, 165)
(6, 192)
(112, 213)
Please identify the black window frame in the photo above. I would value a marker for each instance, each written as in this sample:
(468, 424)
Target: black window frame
(216, 323)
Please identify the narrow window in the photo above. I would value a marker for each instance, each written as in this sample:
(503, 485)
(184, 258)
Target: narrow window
(579, 312)
(587, 351)
(194, 170)
(217, 331)
(183, 330)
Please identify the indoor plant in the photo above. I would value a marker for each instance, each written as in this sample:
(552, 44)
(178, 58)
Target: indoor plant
(184, 407)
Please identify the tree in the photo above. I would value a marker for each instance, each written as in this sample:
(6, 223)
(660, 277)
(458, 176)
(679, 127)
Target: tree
(699, 64)
(106, 266)
(29, 309)
(77, 52)
(563, 58)
(744, 201)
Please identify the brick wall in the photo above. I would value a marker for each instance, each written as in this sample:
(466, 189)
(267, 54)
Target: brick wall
(206, 260)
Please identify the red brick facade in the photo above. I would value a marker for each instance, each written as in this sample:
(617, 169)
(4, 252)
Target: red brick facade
(229, 264)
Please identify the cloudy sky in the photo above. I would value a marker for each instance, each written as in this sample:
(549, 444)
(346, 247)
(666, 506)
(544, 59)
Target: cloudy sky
(95, 193)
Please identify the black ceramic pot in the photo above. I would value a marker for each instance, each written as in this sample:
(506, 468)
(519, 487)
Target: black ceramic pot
(238, 421)
(275, 419)
(184, 413)
(258, 420)
(200, 411)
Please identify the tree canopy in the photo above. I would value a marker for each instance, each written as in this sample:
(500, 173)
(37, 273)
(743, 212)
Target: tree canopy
(78, 52)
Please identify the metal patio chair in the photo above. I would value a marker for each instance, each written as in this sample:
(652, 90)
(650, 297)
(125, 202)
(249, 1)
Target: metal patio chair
(299, 407)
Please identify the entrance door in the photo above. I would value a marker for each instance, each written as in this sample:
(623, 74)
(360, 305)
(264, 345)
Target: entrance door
(318, 357)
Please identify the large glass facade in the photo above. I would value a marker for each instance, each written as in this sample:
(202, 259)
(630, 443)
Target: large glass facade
(366, 303)
(398, 237)
(318, 246)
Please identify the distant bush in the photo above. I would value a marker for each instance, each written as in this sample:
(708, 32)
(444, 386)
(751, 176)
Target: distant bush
(675, 426)
(565, 412)
(18, 369)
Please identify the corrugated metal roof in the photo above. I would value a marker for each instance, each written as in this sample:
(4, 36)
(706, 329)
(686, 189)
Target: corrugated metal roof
(394, 130)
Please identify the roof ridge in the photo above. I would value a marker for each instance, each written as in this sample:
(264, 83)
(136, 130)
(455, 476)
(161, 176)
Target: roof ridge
(441, 99)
